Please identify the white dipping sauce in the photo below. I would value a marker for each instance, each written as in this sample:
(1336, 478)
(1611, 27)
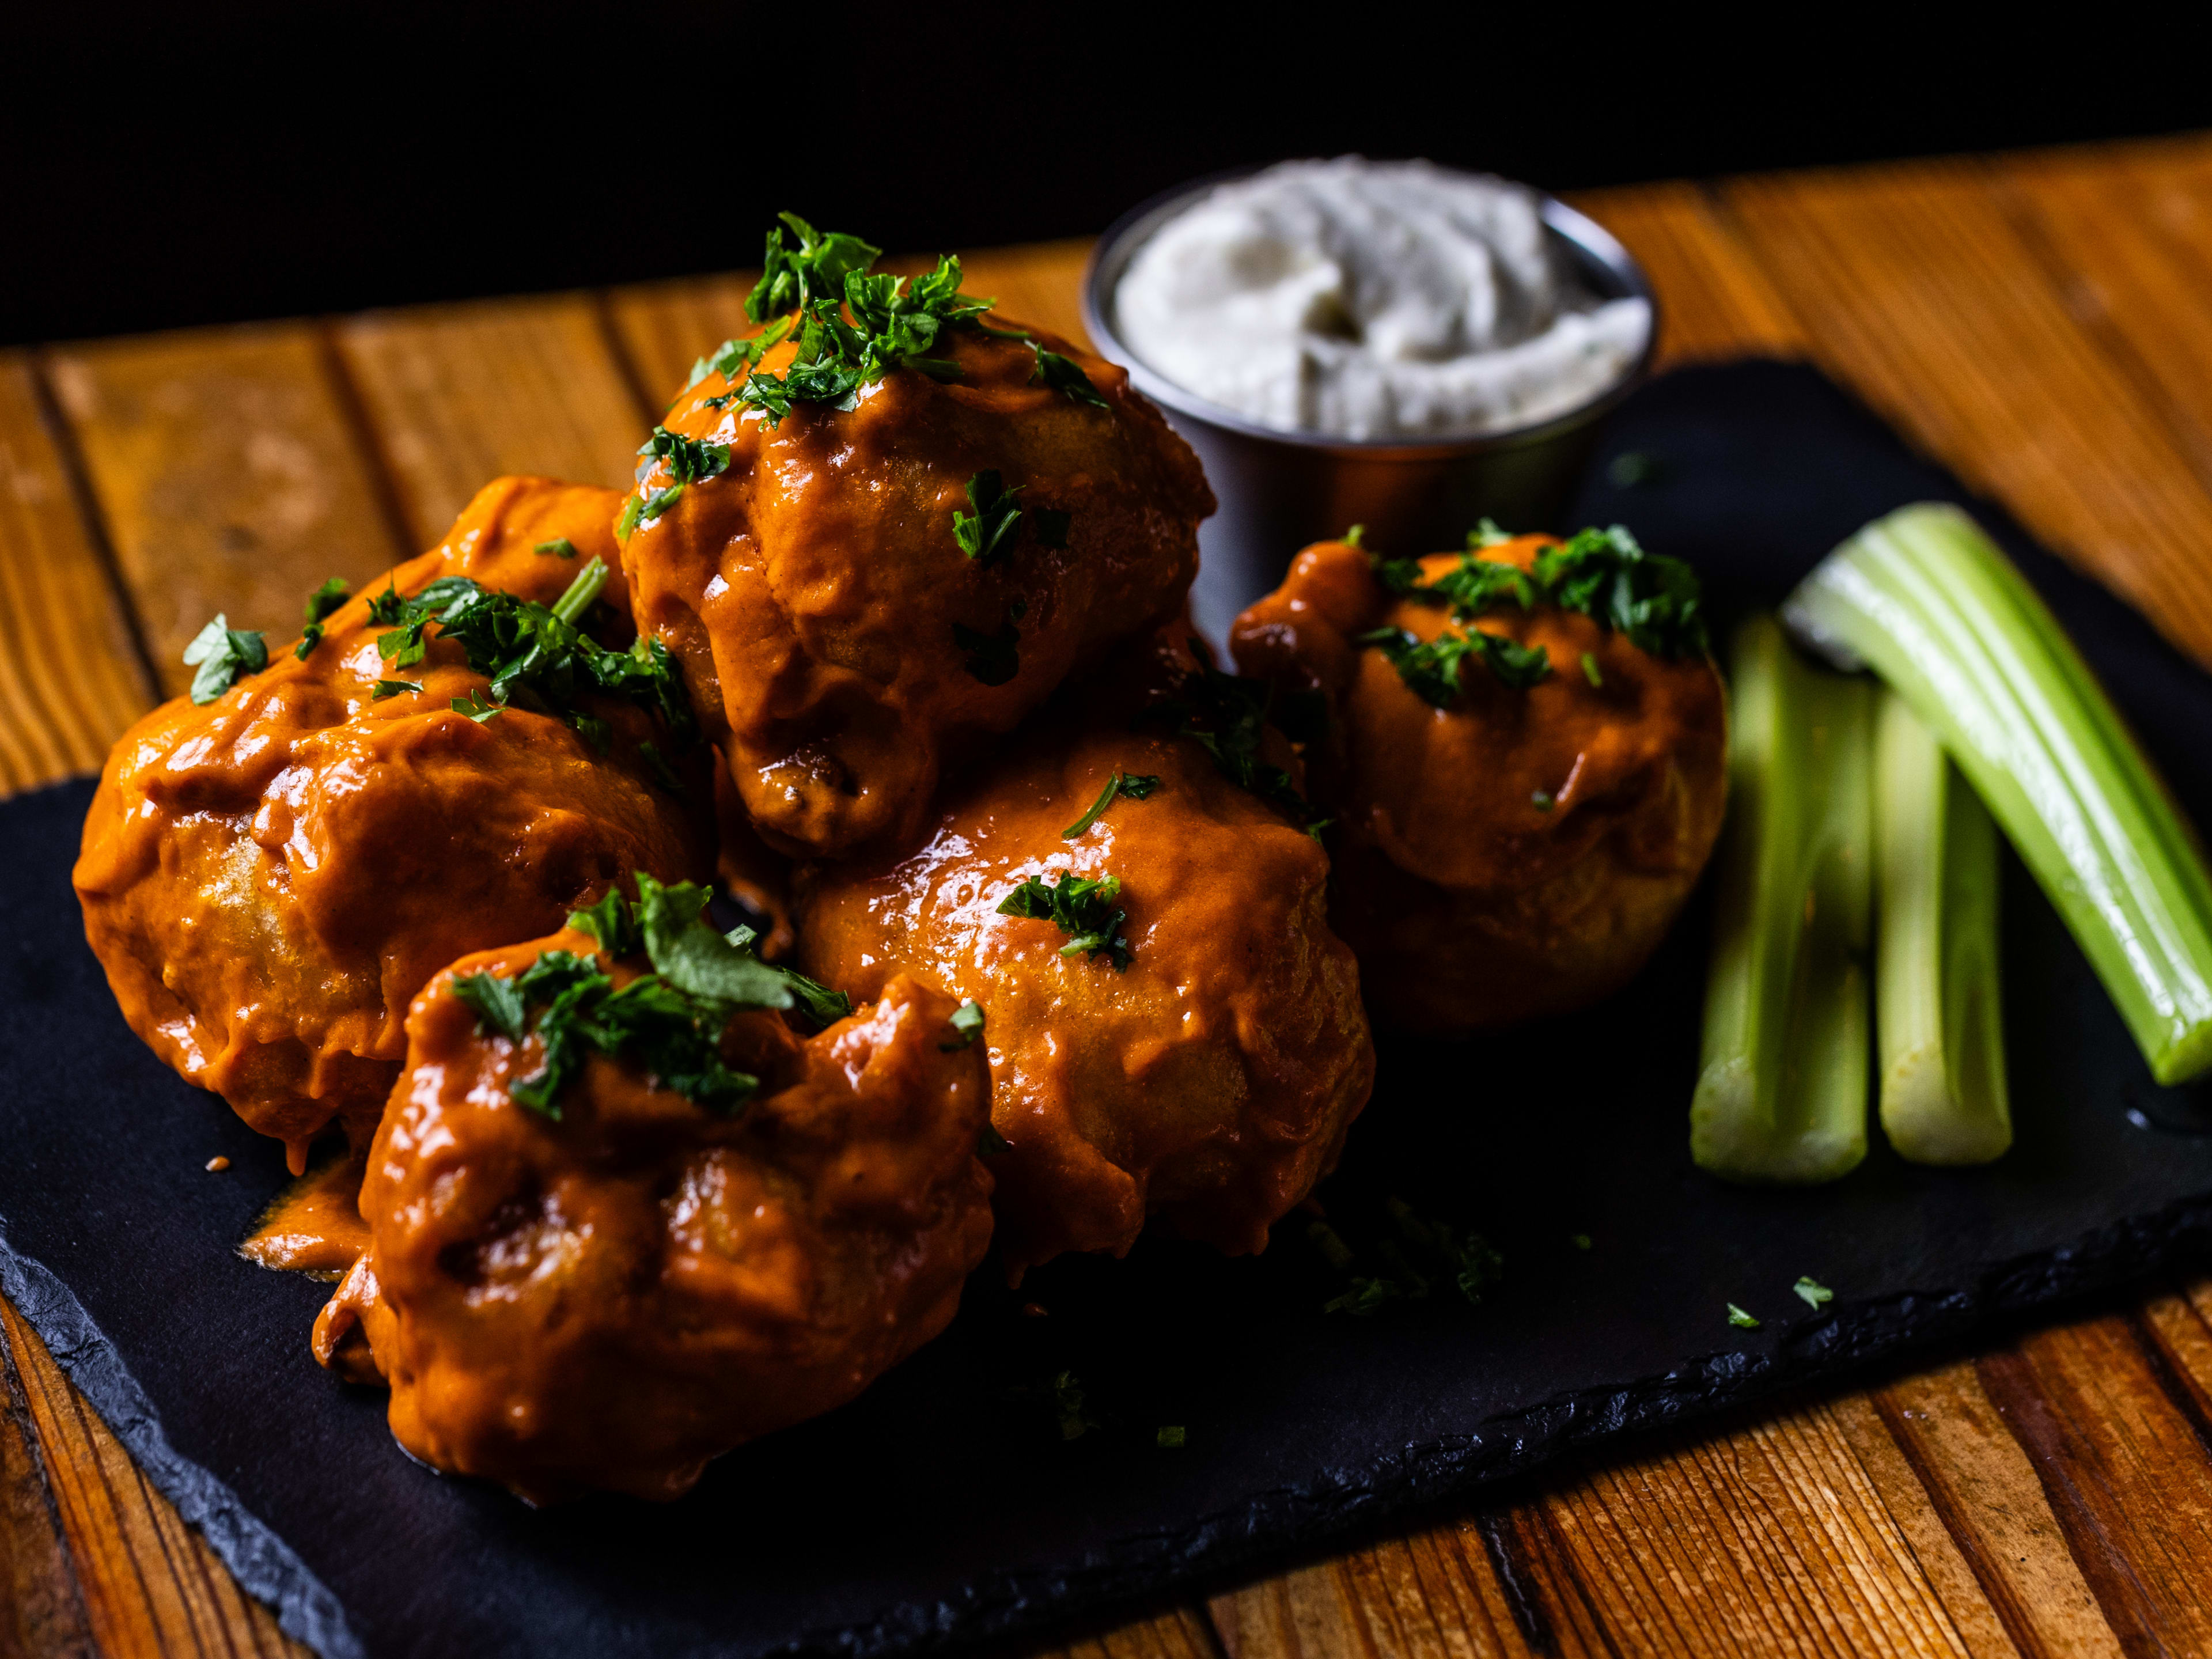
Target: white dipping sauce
(1373, 300)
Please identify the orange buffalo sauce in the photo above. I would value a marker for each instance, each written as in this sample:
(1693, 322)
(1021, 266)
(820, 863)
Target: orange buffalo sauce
(1213, 1079)
(314, 1226)
(812, 587)
(269, 878)
(1523, 851)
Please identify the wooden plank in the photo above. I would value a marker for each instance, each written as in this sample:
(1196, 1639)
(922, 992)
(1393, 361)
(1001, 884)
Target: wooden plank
(70, 674)
(150, 1584)
(41, 1612)
(2125, 1469)
(1179, 1632)
(228, 473)
(1990, 1503)
(2127, 231)
(455, 395)
(1927, 300)
(1429, 1593)
(1714, 300)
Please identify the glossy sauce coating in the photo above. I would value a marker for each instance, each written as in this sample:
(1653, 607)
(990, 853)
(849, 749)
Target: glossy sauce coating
(1471, 901)
(1214, 1080)
(268, 879)
(811, 588)
(611, 1299)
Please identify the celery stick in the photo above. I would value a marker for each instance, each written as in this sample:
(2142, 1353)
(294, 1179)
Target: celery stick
(1929, 601)
(1936, 1005)
(1781, 1090)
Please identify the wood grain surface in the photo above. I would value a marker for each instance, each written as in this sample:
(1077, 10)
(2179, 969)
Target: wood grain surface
(2042, 324)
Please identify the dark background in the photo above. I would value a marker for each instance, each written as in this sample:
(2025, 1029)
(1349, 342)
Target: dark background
(169, 164)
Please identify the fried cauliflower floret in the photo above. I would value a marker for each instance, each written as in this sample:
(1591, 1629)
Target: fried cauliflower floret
(269, 878)
(1212, 1075)
(837, 639)
(1520, 850)
(609, 1299)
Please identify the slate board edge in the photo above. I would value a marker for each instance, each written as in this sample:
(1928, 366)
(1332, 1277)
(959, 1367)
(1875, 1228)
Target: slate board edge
(1008, 1602)
(264, 1564)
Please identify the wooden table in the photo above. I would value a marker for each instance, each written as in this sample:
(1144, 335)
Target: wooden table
(2041, 323)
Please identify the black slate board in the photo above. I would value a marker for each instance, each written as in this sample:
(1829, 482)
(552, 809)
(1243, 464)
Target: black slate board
(944, 1505)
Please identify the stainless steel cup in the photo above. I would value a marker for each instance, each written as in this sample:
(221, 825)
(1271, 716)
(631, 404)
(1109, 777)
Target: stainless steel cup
(1281, 490)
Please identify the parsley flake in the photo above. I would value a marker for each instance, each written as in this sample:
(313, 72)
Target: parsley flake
(1423, 1251)
(476, 708)
(1741, 1320)
(1227, 715)
(986, 535)
(1589, 670)
(1081, 906)
(1136, 788)
(1815, 1295)
(559, 547)
(1171, 1437)
(668, 1020)
(966, 1024)
(689, 461)
(223, 653)
(534, 655)
(384, 689)
(1431, 669)
(1065, 375)
(320, 603)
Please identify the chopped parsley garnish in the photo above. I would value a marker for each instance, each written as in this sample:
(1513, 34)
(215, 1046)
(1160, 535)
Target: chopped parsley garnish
(536, 656)
(1170, 1436)
(1226, 715)
(670, 1020)
(993, 658)
(1589, 670)
(689, 461)
(1542, 799)
(1486, 533)
(1580, 1241)
(897, 323)
(1081, 906)
(1135, 786)
(1603, 574)
(1816, 1295)
(1424, 1252)
(1653, 600)
(1431, 669)
(793, 278)
(384, 689)
(320, 603)
(967, 1025)
(221, 653)
(559, 547)
(476, 708)
(986, 535)
(1741, 1320)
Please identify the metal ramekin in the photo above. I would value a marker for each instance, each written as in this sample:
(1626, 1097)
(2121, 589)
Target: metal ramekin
(1281, 490)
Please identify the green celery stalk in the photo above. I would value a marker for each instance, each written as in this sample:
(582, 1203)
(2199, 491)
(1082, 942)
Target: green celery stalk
(1927, 600)
(1781, 1088)
(1937, 1011)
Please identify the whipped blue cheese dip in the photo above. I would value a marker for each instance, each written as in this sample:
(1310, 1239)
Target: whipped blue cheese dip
(1373, 300)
